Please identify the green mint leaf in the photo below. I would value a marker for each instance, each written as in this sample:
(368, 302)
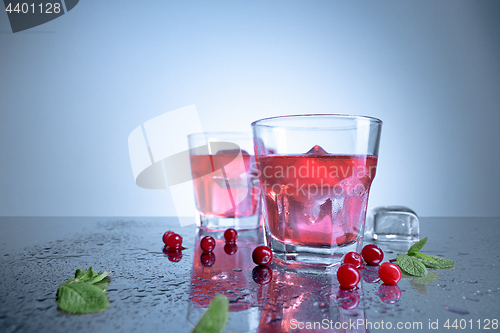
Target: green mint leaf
(429, 263)
(79, 273)
(411, 265)
(215, 318)
(420, 255)
(443, 262)
(82, 298)
(417, 246)
(98, 277)
(88, 274)
(103, 284)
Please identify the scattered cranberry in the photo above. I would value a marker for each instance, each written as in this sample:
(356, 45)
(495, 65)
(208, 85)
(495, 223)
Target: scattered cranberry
(372, 254)
(230, 235)
(230, 248)
(207, 259)
(167, 235)
(389, 294)
(262, 255)
(262, 274)
(353, 258)
(348, 276)
(389, 273)
(174, 241)
(207, 243)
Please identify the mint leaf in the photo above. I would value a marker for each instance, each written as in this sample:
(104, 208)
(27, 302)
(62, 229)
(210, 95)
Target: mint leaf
(98, 277)
(417, 246)
(215, 318)
(103, 284)
(411, 265)
(87, 275)
(79, 273)
(443, 262)
(82, 298)
(430, 263)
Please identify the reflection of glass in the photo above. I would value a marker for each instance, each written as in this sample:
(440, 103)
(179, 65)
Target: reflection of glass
(227, 271)
(225, 180)
(315, 172)
(296, 300)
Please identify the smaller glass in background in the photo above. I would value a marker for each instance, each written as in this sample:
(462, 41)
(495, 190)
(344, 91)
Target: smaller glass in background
(392, 223)
(226, 187)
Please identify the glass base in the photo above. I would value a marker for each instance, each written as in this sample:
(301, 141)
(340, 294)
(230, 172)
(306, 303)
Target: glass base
(307, 256)
(238, 223)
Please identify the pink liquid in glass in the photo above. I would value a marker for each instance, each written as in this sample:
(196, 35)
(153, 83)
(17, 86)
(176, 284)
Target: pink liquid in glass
(228, 193)
(316, 199)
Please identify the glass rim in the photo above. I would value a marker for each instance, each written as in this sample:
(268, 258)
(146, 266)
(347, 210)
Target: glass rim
(315, 115)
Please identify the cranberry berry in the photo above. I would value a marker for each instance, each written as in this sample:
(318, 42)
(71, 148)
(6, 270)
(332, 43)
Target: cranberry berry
(348, 276)
(207, 243)
(372, 254)
(353, 258)
(230, 235)
(389, 273)
(167, 235)
(262, 255)
(174, 241)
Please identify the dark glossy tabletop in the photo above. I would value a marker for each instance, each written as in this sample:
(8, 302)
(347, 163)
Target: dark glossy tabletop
(152, 292)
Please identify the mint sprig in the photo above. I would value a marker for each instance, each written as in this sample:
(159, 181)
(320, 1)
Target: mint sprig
(416, 263)
(215, 318)
(84, 293)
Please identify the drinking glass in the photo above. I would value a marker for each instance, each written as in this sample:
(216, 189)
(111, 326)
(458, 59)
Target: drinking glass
(315, 172)
(225, 180)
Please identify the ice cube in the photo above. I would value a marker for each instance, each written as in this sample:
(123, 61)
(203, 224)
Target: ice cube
(392, 223)
(316, 150)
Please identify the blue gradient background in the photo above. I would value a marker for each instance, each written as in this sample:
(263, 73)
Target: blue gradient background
(73, 89)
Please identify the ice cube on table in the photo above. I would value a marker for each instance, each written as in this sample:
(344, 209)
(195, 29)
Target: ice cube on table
(316, 150)
(392, 223)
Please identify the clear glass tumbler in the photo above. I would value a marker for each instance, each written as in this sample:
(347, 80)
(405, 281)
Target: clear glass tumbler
(225, 180)
(315, 172)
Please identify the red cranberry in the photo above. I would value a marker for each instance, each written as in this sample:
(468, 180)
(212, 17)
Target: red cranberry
(207, 243)
(348, 276)
(230, 235)
(389, 273)
(353, 258)
(262, 274)
(174, 241)
(167, 235)
(207, 259)
(372, 254)
(230, 248)
(262, 255)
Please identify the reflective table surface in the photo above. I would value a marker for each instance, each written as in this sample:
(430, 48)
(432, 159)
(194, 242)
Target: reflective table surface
(151, 291)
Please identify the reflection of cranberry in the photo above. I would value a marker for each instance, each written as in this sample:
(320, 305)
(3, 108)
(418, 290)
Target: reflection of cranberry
(348, 299)
(389, 294)
(207, 259)
(262, 274)
(370, 274)
(230, 248)
(173, 255)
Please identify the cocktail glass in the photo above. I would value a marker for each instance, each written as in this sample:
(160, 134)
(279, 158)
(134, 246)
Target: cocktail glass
(225, 180)
(315, 172)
